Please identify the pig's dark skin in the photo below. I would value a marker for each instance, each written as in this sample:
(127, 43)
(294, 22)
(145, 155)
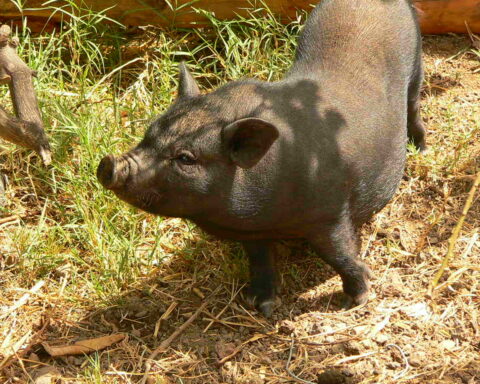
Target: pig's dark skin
(313, 156)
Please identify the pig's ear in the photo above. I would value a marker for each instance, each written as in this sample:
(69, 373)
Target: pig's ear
(248, 140)
(187, 87)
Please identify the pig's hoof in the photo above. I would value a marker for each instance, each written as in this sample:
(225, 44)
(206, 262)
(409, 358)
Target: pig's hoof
(421, 146)
(266, 308)
(357, 287)
(351, 302)
(262, 302)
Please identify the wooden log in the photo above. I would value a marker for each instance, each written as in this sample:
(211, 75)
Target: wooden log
(436, 16)
(26, 130)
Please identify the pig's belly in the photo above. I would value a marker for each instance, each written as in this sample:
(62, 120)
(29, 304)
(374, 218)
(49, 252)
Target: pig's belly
(372, 196)
(244, 235)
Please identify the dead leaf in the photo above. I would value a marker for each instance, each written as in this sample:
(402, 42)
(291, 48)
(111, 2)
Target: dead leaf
(84, 346)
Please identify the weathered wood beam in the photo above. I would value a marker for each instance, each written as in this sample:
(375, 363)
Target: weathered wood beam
(436, 16)
(444, 16)
(27, 129)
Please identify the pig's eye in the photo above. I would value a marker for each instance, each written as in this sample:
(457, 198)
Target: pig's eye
(186, 158)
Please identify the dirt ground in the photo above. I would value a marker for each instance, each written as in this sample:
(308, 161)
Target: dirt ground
(402, 335)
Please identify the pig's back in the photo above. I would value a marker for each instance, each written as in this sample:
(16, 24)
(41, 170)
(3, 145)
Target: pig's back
(363, 40)
(362, 55)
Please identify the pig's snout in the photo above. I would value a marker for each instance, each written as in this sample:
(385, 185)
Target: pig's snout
(112, 172)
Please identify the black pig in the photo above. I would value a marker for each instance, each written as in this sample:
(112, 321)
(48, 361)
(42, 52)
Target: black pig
(313, 156)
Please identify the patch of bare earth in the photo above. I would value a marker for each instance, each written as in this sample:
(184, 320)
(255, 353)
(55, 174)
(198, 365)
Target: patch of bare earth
(402, 335)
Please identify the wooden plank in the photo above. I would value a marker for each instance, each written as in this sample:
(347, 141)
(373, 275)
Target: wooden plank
(436, 16)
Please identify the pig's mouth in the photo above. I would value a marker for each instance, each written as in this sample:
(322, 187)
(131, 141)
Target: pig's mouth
(118, 175)
(150, 201)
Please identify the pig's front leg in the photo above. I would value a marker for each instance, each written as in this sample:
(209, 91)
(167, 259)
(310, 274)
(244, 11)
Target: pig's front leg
(263, 278)
(339, 247)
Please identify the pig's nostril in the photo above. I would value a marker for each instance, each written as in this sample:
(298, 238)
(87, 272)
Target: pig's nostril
(106, 172)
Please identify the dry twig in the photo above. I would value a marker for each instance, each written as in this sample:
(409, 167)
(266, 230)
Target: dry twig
(7, 361)
(405, 360)
(292, 375)
(23, 300)
(166, 343)
(255, 337)
(456, 232)
(164, 317)
(217, 317)
(26, 130)
(9, 219)
(474, 38)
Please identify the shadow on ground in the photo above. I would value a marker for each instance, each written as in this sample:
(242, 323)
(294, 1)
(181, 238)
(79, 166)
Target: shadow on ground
(196, 274)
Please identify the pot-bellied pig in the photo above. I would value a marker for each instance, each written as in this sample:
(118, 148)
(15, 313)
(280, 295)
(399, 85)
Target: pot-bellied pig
(312, 156)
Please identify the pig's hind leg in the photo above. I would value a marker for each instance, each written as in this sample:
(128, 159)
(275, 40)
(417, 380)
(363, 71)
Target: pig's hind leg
(263, 278)
(415, 128)
(338, 246)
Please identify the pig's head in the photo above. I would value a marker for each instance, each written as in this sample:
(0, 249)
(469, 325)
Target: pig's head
(187, 161)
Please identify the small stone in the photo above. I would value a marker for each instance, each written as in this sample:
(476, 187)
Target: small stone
(287, 327)
(347, 372)
(367, 343)
(331, 376)
(448, 345)
(414, 362)
(37, 322)
(46, 375)
(381, 338)
(327, 329)
(33, 357)
(74, 360)
(353, 348)
(78, 361)
(360, 330)
(330, 339)
(393, 365)
(224, 349)
(417, 359)
(141, 314)
(338, 349)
